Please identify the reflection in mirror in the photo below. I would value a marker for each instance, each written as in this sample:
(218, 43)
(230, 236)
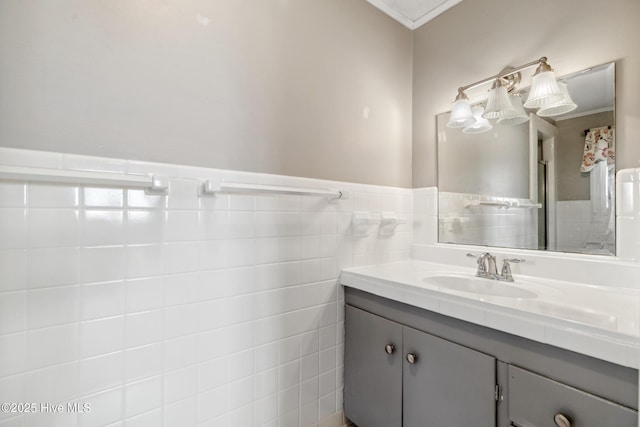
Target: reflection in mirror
(547, 183)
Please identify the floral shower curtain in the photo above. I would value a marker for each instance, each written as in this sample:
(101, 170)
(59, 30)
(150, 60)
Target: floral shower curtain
(599, 145)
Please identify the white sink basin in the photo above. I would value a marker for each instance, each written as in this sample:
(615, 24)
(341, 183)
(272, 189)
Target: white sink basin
(478, 286)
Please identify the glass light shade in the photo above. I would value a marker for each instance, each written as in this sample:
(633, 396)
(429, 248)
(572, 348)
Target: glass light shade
(562, 107)
(478, 123)
(460, 113)
(498, 104)
(518, 116)
(544, 90)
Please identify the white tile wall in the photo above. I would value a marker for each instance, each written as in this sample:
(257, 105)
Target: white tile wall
(486, 224)
(618, 271)
(580, 231)
(574, 220)
(425, 215)
(178, 310)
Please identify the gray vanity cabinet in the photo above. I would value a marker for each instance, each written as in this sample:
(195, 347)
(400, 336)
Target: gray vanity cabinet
(373, 370)
(535, 400)
(409, 367)
(448, 385)
(399, 376)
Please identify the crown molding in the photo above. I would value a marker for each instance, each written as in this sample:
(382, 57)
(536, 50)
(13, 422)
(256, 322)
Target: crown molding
(413, 22)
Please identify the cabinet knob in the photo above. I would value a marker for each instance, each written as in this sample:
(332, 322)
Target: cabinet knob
(561, 420)
(389, 348)
(411, 358)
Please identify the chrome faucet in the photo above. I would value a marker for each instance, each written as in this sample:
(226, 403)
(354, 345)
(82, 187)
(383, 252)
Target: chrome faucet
(491, 269)
(487, 268)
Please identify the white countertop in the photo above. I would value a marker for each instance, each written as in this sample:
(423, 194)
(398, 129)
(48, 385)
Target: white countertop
(601, 322)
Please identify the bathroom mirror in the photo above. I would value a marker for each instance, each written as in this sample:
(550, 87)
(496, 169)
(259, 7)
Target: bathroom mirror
(546, 184)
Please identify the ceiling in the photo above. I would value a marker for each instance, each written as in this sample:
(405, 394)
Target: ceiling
(413, 13)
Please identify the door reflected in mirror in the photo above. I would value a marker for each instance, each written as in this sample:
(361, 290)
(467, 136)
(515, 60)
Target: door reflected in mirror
(546, 184)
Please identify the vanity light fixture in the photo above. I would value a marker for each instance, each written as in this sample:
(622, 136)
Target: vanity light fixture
(563, 106)
(518, 115)
(461, 111)
(498, 105)
(546, 94)
(477, 124)
(544, 87)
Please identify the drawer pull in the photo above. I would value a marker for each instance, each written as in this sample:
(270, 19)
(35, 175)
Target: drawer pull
(561, 420)
(411, 358)
(389, 348)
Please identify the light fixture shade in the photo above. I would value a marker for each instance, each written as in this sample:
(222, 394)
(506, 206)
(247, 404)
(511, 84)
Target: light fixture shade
(478, 123)
(518, 116)
(460, 113)
(544, 90)
(565, 105)
(498, 104)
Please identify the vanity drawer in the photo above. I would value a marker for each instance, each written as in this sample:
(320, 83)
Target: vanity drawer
(535, 400)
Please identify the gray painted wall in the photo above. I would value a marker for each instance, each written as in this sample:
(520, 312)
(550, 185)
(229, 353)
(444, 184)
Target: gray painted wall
(493, 163)
(307, 88)
(477, 39)
(310, 88)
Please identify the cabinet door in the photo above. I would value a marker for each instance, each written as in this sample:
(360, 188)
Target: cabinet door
(448, 385)
(537, 401)
(373, 372)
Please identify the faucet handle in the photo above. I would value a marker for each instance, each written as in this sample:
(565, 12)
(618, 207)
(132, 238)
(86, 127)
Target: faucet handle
(479, 258)
(506, 268)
